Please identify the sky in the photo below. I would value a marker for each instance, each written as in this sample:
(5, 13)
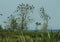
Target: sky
(52, 8)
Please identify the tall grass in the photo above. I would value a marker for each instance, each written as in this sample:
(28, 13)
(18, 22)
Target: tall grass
(31, 38)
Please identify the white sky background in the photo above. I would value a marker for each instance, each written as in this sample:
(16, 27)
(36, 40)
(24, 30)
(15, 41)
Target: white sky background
(52, 7)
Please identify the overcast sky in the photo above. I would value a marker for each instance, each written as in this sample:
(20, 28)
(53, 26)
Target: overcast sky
(52, 8)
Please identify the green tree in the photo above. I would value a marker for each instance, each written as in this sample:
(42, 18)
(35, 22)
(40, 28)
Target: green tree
(37, 24)
(12, 23)
(1, 28)
(45, 18)
(24, 11)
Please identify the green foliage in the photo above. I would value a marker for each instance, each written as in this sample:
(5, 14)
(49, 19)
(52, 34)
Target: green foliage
(24, 11)
(31, 37)
(12, 23)
(14, 31)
